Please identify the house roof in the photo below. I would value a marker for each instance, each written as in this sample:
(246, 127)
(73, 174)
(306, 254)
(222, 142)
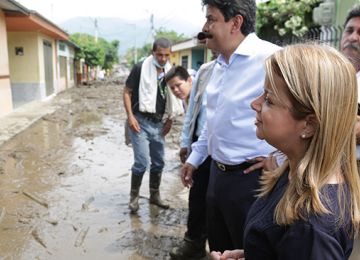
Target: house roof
(187, 44)
(10, 5)
(72, 44)
(20, 19)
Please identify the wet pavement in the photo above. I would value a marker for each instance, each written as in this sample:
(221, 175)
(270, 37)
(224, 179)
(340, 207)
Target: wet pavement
(65, 185)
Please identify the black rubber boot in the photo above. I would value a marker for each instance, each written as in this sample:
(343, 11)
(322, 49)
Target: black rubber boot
(189, 249)
(155, 180)
(134, 192)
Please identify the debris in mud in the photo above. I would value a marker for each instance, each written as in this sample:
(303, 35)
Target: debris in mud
(104, 178)
(90, 134)
(2, 165)
(75, 228)
(81, 237)
(24, 220)
(52, 221)
(37, 237)
(104, 229)
(49, 118)
(16, 155)
(76, 169)
(36, 198)
(146, 244)
(85, 205)
(2, 214)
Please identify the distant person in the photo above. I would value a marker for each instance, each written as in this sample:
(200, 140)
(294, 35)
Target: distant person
(309, 207)
(179, 82)
(101, 75)
(146, 100)
(350, 41)
(194, 244)
(229, 137)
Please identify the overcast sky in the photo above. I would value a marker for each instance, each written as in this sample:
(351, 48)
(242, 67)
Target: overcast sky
(164, 10)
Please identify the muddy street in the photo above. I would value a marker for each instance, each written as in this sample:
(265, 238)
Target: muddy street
(65, 186)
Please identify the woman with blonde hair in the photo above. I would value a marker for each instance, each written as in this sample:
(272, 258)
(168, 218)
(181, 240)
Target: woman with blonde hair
(309, 207)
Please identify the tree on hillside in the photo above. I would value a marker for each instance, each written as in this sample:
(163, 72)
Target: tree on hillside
(89, 50)
(145, 50)
(173, 36)
(110, 53)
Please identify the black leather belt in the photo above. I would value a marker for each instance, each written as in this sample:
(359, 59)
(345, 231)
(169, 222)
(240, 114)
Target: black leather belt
(236, 167)
(156, 118)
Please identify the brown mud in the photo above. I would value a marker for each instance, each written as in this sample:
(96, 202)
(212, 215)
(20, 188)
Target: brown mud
(64, 186)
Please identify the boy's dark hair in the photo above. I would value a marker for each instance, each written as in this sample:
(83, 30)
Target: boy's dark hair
(353, 12)
(177, 71)
(230, 8)
(162, 43)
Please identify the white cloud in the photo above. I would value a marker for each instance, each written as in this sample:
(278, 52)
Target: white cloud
(61, 10)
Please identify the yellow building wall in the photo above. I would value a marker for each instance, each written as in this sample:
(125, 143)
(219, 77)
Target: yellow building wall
(41, 38)
(5, 87)
(174, 58)
(25, 68)
(63, 73)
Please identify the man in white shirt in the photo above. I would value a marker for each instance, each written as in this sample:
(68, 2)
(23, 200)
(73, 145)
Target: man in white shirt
(229, 137)
(350, 47)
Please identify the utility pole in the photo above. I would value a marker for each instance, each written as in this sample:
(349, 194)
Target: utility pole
(52, 11)
(97, 69)
(152, 28)
(135, 47)
(96, 30)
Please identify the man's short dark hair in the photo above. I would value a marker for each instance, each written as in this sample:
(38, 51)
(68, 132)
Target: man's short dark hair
(353, 12)
(162, 43)
(177, 71)
(231, 8)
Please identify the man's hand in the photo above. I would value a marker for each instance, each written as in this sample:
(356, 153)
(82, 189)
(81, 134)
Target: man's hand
(186, 174)
(134, 124)
(228, 255)
(259, 163)
(167, 126)
(183, 154)
(266, 163)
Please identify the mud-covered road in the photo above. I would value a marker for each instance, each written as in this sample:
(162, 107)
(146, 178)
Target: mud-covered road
(64, 186)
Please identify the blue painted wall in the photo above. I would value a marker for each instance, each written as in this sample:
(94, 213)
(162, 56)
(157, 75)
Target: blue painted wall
(197, 58)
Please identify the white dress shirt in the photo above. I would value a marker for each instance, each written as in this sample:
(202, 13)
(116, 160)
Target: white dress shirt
(230, 135)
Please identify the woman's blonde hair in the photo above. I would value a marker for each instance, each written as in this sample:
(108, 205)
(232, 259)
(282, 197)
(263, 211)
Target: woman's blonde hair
(321, 82)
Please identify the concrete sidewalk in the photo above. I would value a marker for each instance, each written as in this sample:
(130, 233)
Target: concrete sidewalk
(26, 115)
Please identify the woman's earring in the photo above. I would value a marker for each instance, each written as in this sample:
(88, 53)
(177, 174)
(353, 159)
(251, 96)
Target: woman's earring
(303, 136)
